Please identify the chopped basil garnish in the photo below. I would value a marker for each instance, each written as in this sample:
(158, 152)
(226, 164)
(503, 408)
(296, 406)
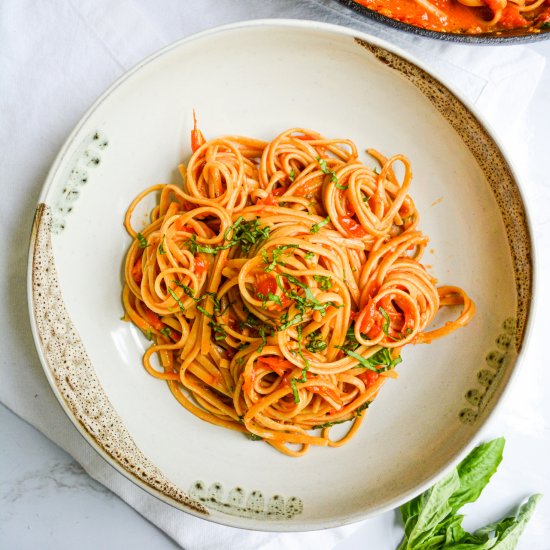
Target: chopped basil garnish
(166, 331)
(386, 324)
(204, 312)
(325, 282)
(365, 405)
(295, 390)
(316, 226)
(178, 301)
(316, 343)
(276, 255)
(161, 246)
(358, 412)
(292, 176)
(219, 332)
(245, 233)
(142, 241)
(382, 358)
(326, 170)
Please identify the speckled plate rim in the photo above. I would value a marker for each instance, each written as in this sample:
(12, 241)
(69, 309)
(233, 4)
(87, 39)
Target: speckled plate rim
(483, 39)
(233, 521)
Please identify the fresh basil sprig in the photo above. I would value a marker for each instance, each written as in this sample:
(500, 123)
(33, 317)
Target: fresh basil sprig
(431, 519)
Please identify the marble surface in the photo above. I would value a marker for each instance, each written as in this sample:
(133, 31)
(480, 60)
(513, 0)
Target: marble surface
(48, 501)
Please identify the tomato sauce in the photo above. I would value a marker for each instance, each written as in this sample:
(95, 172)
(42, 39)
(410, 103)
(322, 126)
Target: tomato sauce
(455, 17)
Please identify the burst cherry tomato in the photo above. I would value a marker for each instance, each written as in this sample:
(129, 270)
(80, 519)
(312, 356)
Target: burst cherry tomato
(266, 284)
(153, 319)
(352, 227)
(201, 264)
(137, 272)
(369, 377)
(268, 201)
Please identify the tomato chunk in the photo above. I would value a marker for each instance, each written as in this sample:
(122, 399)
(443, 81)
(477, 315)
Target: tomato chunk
(369, 377)
(137, 272)
(266, 284)
(276, 364)
(201, 264)
(153, 319)
(351, 227)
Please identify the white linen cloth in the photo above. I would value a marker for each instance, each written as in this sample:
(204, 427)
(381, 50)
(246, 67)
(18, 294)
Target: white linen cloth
(56, 57)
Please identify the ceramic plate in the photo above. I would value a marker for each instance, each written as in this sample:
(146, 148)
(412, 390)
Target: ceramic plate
(258, 79)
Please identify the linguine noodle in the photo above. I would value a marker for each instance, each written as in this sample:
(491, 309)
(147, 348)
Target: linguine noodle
(280, 282)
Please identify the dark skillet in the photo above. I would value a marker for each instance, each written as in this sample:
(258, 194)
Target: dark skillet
(501, 37)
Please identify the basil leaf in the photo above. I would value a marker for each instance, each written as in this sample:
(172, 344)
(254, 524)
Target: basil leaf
(475, 471)
(364, 361)
(509, 530)
(431, 521)
(434, 508)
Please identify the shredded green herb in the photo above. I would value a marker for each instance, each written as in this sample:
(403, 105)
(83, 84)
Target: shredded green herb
(245, 233)
(161, 246)
(263, 329)
(269, 298)
(166, 331)
(204, 312)
(219, 332)
(316, 226)
(386, 324)
(316, 342)
(287, 324)
(142, 241)
(382, 358)
(350, 343)
(276, 254)
(188, 290)
(326, 170)
(358, 412)
(295, 390)
(309, 255)
(292, 176)
(178, 301)
(325, 282)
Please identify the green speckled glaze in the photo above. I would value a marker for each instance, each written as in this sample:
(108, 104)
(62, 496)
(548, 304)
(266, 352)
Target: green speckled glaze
(238, 503)
(86, 157)
(478, 398)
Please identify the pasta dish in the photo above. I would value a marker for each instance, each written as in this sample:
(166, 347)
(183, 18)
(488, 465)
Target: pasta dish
(466, 16)
(279, 283)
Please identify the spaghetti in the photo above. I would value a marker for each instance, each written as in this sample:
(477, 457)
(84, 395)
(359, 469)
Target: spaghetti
(279, 284)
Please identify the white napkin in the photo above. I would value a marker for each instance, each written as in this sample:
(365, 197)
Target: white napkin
(55, 59)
